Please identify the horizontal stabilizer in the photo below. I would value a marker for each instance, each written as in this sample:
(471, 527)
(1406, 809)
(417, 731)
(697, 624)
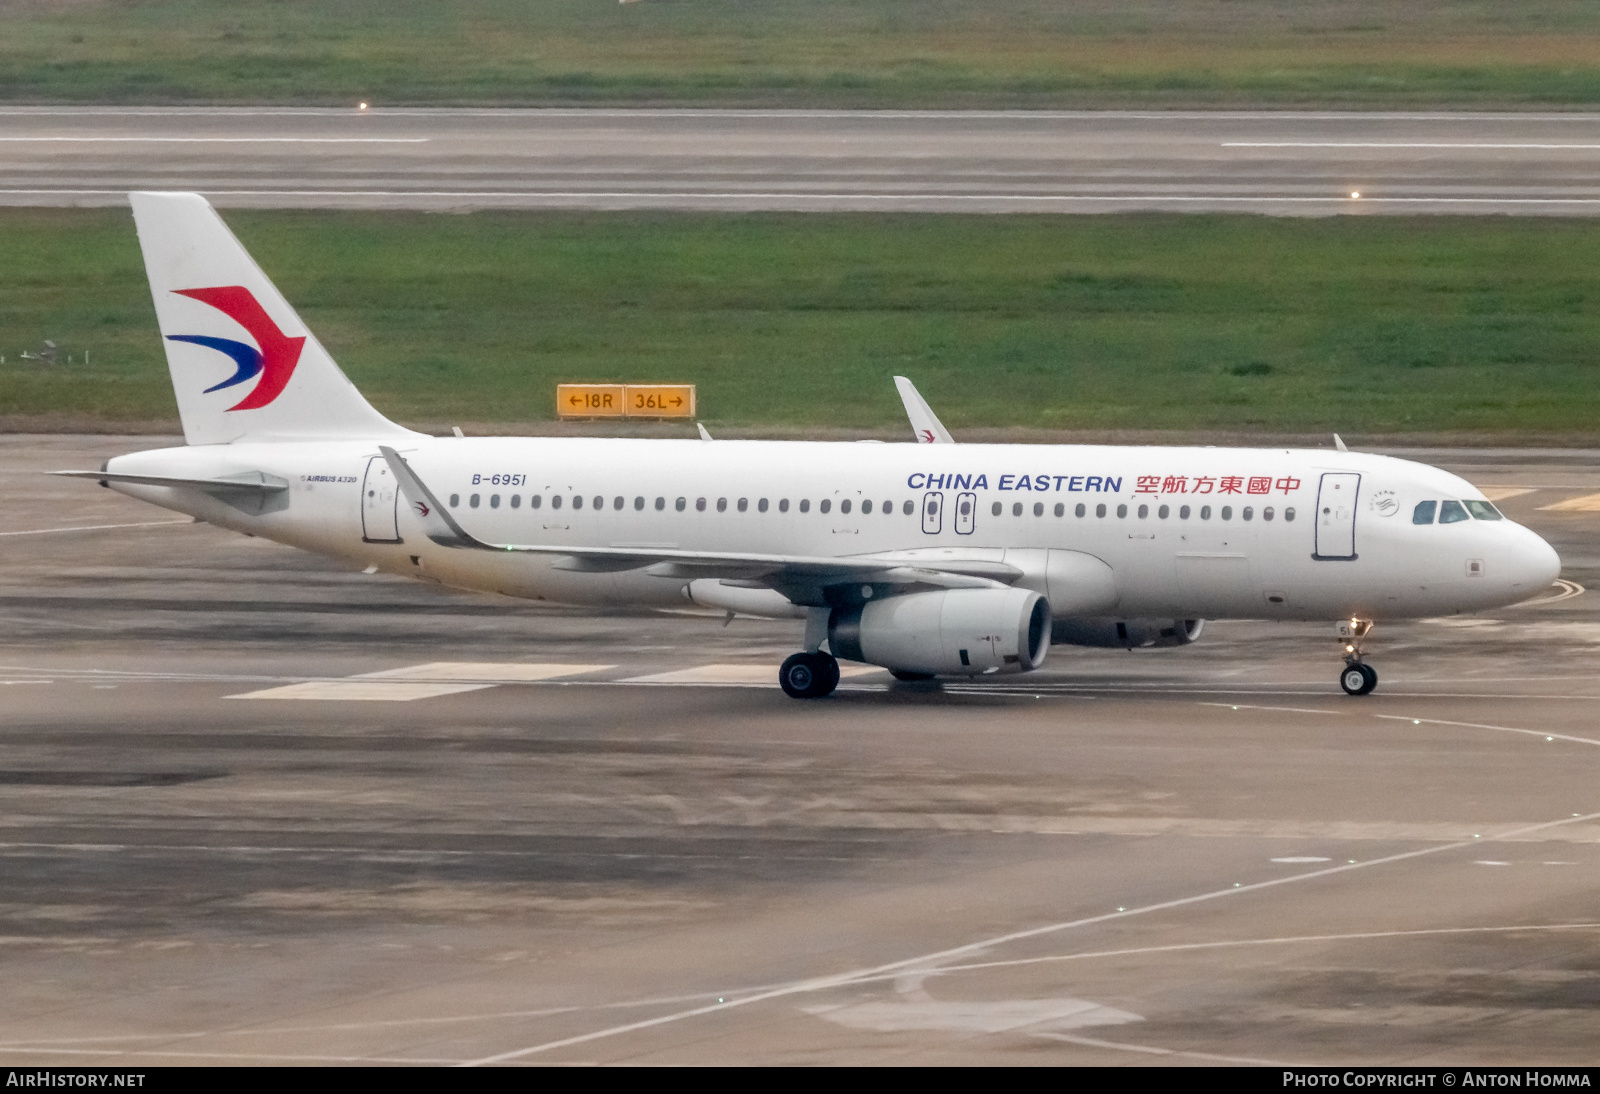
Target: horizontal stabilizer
(250, 481)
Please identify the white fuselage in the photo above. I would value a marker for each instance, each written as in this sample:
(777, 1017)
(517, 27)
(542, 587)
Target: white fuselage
(1185, 532)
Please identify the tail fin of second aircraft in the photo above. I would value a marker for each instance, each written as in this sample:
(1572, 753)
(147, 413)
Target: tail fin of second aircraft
(244, 366)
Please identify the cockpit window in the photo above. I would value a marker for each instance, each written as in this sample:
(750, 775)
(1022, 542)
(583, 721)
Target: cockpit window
(1483, 510)
(1451, 511)
(1423, 513)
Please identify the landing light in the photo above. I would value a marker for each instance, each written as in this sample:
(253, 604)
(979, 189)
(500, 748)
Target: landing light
(363, 106)
(1355, 195)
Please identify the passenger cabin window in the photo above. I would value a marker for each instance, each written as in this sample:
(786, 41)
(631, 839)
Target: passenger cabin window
(455, 500)
(1288, 514)
(1144, 512)
(805, 505)
(1266, 513)
(577, 501)
(844, 506)
(1451, 511)
(1016, 509)
(761, 506)
(996, 509)
(638, 503)
(1183, 512)
(744, 505)
(681, 504)
(494, 501)
(1100, 510)
(599, 502)
(700, 505)
(866, 507)
(1247, 512)
(824, 505)
(618, 502)
(1482, 510)
(534, 501)
(516, 501)
(1164, 511)
(473, 501)
(909, 507)
(722, 504)
(1038, 508)
(1205, 512)
(783, 505)
(1061, 510)
(1227, 512)
(1081, 510)
(661, 503)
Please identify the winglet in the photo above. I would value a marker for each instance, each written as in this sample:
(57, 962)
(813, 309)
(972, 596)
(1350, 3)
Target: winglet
(924, 423)
(437, 523)
(705, 434)
(1338, 442)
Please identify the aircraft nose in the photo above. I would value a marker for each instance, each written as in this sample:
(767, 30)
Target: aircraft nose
(1535, 562)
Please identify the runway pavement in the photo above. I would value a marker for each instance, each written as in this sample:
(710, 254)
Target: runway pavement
(477, 830)
(1277, 162)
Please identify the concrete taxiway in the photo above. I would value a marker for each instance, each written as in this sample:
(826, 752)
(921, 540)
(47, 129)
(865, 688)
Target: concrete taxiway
(1275, 162)
(259, 808)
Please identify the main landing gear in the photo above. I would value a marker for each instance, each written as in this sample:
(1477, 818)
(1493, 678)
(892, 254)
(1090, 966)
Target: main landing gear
(809, 675)
(1357, 677)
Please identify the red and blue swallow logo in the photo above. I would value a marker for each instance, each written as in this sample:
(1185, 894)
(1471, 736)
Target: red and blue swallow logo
(273, 361)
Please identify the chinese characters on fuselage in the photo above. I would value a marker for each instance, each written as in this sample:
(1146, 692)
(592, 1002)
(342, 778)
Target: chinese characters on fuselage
(1108, 484)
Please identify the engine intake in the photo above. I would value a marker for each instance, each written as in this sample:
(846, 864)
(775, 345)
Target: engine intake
(947, 632)
(1126, 634)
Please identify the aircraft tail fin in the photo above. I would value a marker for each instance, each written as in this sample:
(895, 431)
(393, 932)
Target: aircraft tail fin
(243, 365)
(924, 422)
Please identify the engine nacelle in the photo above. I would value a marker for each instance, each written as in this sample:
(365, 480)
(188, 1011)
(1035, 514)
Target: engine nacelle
(946, 632)
(1126, 634)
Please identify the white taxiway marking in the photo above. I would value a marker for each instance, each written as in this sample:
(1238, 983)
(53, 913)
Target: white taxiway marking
(879, 971)
(1499, 729)
(1302, 858)
(496, 1016)
(1288, 940)
(96, 527)
(1122, 1046)
(482, 671)
(215, 140)
(397, 691)
(1284, 710)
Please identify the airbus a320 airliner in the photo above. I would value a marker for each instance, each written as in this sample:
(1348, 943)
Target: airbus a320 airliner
(925, 559)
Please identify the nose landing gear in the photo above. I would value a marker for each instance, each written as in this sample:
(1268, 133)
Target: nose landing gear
(1357, 677)
(809, 675)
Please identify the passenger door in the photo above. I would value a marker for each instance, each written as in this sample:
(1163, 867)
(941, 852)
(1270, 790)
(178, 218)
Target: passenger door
(966, 514)
(1336, 517)
(932, 512)
(380, 502)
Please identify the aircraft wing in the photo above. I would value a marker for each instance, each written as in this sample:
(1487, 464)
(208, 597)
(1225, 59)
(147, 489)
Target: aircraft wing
(802, 578)
(924, 423)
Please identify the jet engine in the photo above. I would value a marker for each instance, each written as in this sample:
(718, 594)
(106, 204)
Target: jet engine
(949, 631)
(1127, 634)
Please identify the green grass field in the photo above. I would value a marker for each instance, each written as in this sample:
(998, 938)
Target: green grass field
(803, 52)
(1368, 326)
